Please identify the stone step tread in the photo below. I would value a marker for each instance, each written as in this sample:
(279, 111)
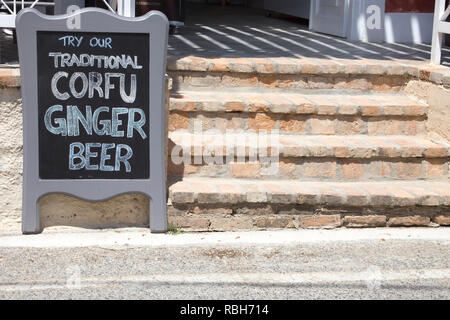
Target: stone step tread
(354, 146)
(298, 103)
(239, 191)
(284, 65)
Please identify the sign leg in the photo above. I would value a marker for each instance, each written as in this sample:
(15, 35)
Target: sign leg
(158, 213)
(30, 214)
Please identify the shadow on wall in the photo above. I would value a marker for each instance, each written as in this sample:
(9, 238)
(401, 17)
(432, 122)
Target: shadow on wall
(412, 28)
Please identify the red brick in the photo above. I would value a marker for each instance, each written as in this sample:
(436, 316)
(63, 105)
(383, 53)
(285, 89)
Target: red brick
(435, 168)
(325, 169)
(178, 121)
(233, 106)
(302, 105)
(261, 121)
(352, 84)
(278, 104)
(330, 195)
(352, 170)
(275, 222)
(414, 127)
(257, 104)
(263, 65)
(364, 221)
(230, 223)
(379, 196)
(187, 222)
(378, 169)
(424, 195)
(349, 126)
(400, 197)
(9, 77)
(443, 220)
(287, 65)
(409, 221)
(309, 67)
(239, 80)
(385, 148)
(394, 127)
(293, 124)
(231, 193)
(288, 170)
(320, 221)
(279, 194)
(241, 65)
(324, 106)
(305, 194)
(353, 195)
(368, 107)
(199, 64)
(181, 193)
(410, 149)
(220, 65)
(322, 126)
(245, 170)
(443, 192)
(408, 170)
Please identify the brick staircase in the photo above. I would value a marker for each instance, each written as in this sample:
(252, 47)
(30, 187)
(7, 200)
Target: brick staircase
(292, 143)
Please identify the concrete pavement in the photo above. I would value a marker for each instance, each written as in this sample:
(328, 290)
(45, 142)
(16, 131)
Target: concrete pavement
(304, 264)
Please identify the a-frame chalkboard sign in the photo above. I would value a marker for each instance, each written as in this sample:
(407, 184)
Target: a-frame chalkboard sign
(93, 108)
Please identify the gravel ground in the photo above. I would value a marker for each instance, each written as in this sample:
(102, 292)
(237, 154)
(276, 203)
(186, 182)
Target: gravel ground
(375, 268)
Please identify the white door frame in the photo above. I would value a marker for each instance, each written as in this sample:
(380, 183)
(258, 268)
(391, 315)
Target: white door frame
(440, 26)
(126, 8)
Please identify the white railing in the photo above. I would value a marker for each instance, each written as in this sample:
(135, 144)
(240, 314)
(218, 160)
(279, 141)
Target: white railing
(11, 7)
(440, 26)
(121, 7)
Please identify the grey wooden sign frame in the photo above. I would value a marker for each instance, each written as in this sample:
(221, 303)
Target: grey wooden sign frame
(154, 23)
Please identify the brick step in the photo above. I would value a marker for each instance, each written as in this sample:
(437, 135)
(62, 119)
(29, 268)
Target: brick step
(359, 75)
(376, 194)
(224, 204)
(246, 155)
(298, 113)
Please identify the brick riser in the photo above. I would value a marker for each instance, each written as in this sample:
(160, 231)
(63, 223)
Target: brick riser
(377, 83)
(321, 169)
(293, 113)
(229, 204)
(262, 217)
(327, 158)
(299, 124)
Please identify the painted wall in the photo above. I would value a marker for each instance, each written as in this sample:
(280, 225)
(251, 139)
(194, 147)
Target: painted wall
(403, 21)
(409, 20)
(416, 6)
(408, 27)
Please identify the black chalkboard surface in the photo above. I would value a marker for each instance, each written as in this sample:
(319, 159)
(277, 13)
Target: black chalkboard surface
(93, 105)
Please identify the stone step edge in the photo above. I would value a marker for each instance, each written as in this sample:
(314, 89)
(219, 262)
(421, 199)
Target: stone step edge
(422, 70)
(214, 191)
(307, 145)
(10, 76)
(294, 103)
